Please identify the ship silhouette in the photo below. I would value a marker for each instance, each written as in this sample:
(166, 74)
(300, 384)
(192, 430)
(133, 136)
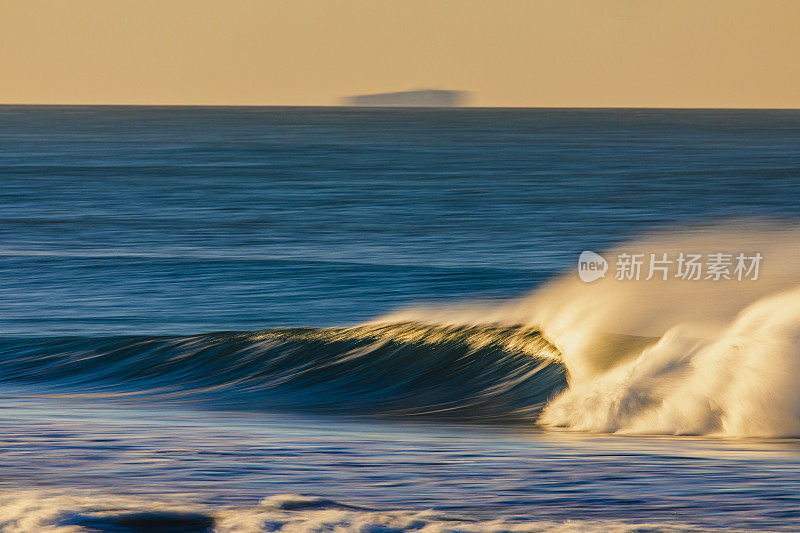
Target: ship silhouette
(415, 98)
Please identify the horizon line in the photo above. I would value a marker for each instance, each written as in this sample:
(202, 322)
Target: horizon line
(338, 106)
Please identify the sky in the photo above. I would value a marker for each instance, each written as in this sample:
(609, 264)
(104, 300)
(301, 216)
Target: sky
(526, 53)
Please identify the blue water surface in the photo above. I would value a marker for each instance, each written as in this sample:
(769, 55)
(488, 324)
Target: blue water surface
(146, 220)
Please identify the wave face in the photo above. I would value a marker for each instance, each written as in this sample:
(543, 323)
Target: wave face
(478, 373)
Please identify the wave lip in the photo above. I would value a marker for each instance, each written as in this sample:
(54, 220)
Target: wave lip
(484, 373)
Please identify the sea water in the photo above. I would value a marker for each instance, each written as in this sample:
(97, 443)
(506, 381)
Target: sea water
(263, 319)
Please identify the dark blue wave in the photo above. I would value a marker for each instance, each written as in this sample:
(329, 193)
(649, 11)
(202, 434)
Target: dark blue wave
(486, 373)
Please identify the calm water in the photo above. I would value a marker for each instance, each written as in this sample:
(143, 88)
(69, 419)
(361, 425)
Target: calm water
(126, 233)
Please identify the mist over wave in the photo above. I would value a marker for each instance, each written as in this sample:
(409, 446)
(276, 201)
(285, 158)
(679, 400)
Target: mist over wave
(675, 356)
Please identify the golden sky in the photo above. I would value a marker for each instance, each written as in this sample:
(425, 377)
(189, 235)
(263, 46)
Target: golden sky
(581, 53)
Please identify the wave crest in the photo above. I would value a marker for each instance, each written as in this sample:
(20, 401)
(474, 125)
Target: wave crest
(481, 373)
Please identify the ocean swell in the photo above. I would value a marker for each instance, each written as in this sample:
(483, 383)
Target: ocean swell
(483, 373)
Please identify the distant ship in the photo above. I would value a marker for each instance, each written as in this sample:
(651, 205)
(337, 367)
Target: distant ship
(418, 98)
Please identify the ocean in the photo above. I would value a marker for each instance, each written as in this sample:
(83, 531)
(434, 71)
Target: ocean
(338, 319)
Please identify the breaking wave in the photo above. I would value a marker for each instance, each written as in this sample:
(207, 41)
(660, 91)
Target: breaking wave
(660, 356)
(671, 356)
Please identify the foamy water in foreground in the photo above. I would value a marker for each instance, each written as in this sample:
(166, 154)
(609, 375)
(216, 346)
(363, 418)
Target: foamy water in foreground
(100, 466)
